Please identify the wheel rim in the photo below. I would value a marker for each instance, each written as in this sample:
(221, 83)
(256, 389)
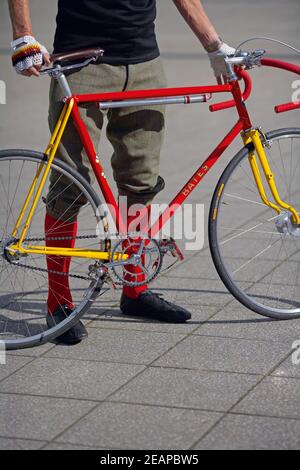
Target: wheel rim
(260, 265)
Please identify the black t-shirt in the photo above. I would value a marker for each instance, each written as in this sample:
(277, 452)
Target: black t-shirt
(123, 28)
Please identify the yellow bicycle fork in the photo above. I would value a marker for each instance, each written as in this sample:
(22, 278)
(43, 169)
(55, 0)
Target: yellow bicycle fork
(35, 192)
(254, 136)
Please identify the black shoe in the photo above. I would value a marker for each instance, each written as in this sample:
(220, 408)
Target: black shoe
(75, 334)
(151, 305)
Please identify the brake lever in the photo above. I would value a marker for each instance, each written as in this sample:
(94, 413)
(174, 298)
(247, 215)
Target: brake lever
(246, 60)
(254, 58)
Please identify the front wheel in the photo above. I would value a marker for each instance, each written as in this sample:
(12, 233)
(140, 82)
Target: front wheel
(256, 257)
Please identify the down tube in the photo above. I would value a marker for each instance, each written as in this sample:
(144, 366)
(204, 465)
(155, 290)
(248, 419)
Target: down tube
(194, 181)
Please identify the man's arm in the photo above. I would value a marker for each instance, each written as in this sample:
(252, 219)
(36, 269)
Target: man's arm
(20, 18)
(196, 17)
(22, 28)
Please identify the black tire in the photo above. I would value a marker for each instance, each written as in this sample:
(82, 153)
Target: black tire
(214, 242)
(95, 285)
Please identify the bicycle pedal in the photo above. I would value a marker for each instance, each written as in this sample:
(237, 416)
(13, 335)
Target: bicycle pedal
(169, 245)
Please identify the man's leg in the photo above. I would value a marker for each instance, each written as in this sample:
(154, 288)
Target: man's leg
(137, 135)
(59, 294)
(63, 200)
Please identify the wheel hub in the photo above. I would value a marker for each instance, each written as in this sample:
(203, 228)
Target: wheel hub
(286, 226)
(4, 250)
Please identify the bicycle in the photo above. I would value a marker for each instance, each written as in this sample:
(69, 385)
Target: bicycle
(253, 224)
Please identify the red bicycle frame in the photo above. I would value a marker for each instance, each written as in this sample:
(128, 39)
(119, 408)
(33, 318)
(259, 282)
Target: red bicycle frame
(243, 124)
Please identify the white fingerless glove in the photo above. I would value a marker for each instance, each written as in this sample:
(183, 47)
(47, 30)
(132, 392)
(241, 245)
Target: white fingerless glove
(27, 52)
(217, 60)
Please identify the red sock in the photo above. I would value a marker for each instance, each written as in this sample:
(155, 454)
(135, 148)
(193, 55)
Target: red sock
(130, 291)
(59, 290)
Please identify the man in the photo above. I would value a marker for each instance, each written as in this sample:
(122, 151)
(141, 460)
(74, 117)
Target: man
(125, 30)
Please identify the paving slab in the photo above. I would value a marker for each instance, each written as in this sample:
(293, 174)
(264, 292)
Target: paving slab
(67, 378)
(134, 347)
(196, 291)
(216, 391)
(24, 416)
(274, 396)
(199, 266)
(224, 354)
(240, 432)
(13, 363)
(32, 352)
(140, 427)
(288, 369)
(20, 444)
(243, 323)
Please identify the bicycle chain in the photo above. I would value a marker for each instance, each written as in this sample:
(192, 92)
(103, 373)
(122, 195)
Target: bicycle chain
(115, 281)
(52, 271)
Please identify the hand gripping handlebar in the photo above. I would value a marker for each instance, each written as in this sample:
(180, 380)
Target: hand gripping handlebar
(244, 75)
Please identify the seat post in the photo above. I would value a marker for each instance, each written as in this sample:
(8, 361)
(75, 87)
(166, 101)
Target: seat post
(62, 81)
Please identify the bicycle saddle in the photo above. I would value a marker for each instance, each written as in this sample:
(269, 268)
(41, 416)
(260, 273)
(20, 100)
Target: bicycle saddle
(76, 55)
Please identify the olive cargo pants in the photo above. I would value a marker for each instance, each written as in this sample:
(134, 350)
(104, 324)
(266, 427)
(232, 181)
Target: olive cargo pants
(136, 134)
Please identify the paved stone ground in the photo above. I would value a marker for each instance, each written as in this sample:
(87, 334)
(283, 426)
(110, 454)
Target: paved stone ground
(225, 380)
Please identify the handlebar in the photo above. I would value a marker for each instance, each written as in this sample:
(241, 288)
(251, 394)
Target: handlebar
(281, 108)
(242, 74)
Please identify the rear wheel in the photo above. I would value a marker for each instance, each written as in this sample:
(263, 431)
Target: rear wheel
(256, 251)
(24, 280)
